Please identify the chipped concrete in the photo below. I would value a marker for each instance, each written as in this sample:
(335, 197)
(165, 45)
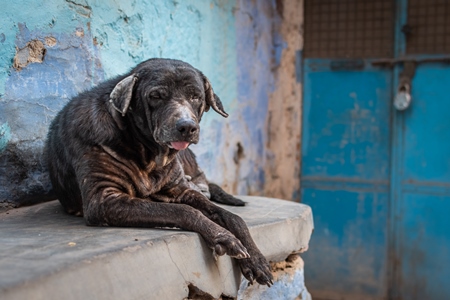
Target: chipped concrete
(289, 282)
(47, 254)
(33, 52)
(284, 110)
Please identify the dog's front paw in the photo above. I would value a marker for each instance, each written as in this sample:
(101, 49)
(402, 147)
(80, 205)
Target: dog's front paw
(226, 243)
(256, 268)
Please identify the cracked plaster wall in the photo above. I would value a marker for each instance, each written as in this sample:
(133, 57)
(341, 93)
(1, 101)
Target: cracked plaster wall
(284, 108)
(240, 45)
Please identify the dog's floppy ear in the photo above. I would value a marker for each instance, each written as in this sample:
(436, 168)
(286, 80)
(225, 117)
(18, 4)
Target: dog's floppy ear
(212, 100)
(122, 93)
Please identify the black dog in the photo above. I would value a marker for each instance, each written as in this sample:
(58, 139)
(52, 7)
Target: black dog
(117, 155)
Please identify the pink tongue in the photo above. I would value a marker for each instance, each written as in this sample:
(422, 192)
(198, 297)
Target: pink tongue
(179, 145)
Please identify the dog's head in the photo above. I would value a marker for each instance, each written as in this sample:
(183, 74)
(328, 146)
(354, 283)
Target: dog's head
(165, 99)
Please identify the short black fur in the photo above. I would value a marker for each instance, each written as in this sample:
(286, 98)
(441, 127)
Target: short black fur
(117, 156)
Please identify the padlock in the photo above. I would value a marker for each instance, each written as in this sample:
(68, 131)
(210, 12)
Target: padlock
(403, 98)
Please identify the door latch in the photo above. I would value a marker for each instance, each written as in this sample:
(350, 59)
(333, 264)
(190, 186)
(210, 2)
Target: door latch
(402, 99)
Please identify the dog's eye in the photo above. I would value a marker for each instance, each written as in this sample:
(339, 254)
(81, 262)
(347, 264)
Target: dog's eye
(155, 95)
(160, 94)
(196, 97)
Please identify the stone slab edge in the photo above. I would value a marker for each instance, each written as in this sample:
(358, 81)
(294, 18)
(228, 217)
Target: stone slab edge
(163, 268)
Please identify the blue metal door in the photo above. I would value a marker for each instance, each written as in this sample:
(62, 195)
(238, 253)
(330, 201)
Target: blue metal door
(421, 162)
(345, 178)
(377, 178)
(421, 188)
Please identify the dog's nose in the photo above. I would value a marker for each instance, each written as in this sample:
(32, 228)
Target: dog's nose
(187, 127)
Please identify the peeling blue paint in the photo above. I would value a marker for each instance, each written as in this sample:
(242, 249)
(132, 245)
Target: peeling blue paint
(37, 92)
(232, 42)
(5, 135)
(259, 48)
(50, 17)
(278, 45)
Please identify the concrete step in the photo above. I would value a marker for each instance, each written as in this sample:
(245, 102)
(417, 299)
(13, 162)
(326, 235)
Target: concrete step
(47, 254)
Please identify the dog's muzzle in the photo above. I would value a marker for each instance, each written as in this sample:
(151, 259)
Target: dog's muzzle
(187, 128)
(186, 132)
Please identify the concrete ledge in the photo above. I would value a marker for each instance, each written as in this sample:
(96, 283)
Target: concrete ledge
(46, 254)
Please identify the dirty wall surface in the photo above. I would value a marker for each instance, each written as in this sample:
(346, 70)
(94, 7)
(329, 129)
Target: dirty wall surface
(51, 50)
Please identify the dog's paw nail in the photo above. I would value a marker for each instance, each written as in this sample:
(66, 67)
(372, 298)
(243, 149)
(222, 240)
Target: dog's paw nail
(250, 279)
(242, 255)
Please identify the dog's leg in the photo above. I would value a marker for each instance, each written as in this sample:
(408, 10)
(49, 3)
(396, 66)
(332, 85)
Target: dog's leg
(254, 268)
(119, 209)
(220, 196)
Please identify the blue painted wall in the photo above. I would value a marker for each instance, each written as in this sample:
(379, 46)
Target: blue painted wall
(87, 41)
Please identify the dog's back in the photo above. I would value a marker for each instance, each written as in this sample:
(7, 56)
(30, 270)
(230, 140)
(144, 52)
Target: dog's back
(82, 122)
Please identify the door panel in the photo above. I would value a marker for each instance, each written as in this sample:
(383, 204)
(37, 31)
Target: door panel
(347, 256)
(424, 247)
(345, 178)
(423, 223)
(426, 145)
(346, 124)
(421, 166)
